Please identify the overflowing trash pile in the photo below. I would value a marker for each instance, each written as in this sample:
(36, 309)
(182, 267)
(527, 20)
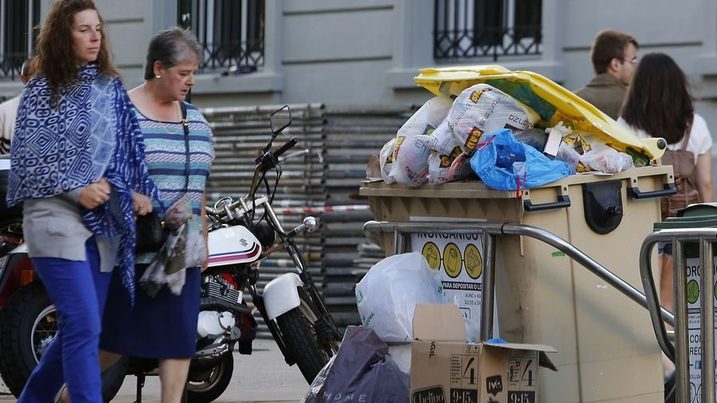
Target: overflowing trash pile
(498, 126)
(411, 342)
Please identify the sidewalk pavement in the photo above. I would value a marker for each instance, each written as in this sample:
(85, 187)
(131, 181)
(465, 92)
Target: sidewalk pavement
(262, 377)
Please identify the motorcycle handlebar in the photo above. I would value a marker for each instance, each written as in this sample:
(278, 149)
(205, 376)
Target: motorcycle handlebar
(265, 162)
(284, 148)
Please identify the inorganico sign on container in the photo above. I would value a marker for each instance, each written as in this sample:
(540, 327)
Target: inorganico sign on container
(459, 257)
(694, 315)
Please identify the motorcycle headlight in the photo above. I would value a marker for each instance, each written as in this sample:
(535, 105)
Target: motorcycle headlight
(265, 234)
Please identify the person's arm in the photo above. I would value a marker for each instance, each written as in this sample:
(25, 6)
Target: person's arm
(205, 229)
(704, 176)
(73, 195)
(90, 196)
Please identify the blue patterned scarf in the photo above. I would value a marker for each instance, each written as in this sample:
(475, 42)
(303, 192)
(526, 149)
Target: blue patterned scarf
(91, 134)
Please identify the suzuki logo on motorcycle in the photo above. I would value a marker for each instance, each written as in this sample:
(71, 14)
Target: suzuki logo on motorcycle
(243, 242)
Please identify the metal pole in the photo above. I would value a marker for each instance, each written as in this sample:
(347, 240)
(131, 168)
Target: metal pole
(682, 363)
(707, 324)
(533, 232)
(487, 302)
(398, 242)
(580, 257)
(651, 295)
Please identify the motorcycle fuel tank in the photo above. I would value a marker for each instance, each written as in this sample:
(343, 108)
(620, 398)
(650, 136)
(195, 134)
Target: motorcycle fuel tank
(233, 245)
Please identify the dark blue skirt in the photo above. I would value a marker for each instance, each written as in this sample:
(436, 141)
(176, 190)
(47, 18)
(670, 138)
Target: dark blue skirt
(164, 326)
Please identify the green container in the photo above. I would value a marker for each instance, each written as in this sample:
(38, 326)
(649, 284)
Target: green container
(702, 215)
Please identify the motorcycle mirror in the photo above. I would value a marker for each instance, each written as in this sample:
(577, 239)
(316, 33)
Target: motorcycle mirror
(280, 120)
(311, 223)
(221, 202)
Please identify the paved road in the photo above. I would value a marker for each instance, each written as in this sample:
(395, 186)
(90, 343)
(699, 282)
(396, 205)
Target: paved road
(260, 377)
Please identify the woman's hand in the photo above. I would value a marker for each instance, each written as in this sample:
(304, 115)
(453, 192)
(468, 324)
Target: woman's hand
(141, 203)
(95, 194)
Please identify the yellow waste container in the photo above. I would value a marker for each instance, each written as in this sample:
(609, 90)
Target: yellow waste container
(606, 348)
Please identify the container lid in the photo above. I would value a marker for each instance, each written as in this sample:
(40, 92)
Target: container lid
(551, 101)
(700, 215)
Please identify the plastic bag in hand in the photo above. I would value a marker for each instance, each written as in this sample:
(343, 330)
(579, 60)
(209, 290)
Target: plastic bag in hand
(388, 294)
(360, 372)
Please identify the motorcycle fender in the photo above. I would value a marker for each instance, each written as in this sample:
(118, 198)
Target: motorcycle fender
(11, 267)
(281, 295)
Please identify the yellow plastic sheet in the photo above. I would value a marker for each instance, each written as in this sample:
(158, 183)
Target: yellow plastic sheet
(551, 101)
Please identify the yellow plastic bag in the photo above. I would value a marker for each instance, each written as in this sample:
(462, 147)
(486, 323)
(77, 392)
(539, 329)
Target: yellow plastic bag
(551, 101)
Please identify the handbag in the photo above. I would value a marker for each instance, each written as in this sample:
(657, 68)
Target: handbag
(150, 233)
(150, 230)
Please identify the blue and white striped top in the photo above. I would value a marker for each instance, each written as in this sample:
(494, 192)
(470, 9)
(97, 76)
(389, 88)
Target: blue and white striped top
(165, 154)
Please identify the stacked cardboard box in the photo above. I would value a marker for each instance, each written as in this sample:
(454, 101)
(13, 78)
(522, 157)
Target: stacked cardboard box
(445, 368)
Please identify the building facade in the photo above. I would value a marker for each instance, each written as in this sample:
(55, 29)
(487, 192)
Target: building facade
(366, 52)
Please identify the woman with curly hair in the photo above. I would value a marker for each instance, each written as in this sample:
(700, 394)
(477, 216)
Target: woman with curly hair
(78, 168)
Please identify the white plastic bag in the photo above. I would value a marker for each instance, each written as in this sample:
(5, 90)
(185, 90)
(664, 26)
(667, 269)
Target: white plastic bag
(607, 160)
(425, 120)
(388, 294)
(386, 160)
(410, 157)
(477, 110)
(410, 160)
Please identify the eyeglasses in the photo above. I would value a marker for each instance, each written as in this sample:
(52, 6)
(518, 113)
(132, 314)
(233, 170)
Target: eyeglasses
(634, 60)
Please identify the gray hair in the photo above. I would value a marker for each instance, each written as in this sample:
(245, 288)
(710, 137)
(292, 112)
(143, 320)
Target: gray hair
(171, 47)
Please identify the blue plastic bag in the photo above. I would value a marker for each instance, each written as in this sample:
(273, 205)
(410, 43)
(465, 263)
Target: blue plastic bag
(504, 163)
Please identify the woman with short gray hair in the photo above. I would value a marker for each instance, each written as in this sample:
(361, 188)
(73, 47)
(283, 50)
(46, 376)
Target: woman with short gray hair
(162, 324)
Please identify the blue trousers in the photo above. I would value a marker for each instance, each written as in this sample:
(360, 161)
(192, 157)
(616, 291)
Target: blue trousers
(79, 291)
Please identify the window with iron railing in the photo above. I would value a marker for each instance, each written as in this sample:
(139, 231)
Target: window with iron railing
(486, 28)
(17, 38)
(231, 32)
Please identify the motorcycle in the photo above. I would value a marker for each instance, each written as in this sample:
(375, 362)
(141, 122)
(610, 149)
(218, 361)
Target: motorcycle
(242, 233)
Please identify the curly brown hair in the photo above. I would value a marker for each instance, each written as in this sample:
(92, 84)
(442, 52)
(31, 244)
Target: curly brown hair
(55, 55)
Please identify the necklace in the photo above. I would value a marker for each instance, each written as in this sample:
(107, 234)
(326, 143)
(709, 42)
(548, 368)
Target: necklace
(170, 128)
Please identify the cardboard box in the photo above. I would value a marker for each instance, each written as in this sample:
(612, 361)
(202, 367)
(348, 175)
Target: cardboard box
(445, 368)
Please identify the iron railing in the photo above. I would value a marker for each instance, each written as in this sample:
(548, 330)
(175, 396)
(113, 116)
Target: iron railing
(486, 28)
(231, 32)
(17, 36)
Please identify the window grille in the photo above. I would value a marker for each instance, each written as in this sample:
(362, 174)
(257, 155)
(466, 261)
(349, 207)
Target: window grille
(486, 28)
(17, 35)
(231, 32)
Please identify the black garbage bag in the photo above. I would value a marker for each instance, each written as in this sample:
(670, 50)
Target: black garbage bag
(360, 372)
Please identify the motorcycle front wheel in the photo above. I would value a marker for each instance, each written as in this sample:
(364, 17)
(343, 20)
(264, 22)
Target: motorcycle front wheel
(297, 330)
(28, 323)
